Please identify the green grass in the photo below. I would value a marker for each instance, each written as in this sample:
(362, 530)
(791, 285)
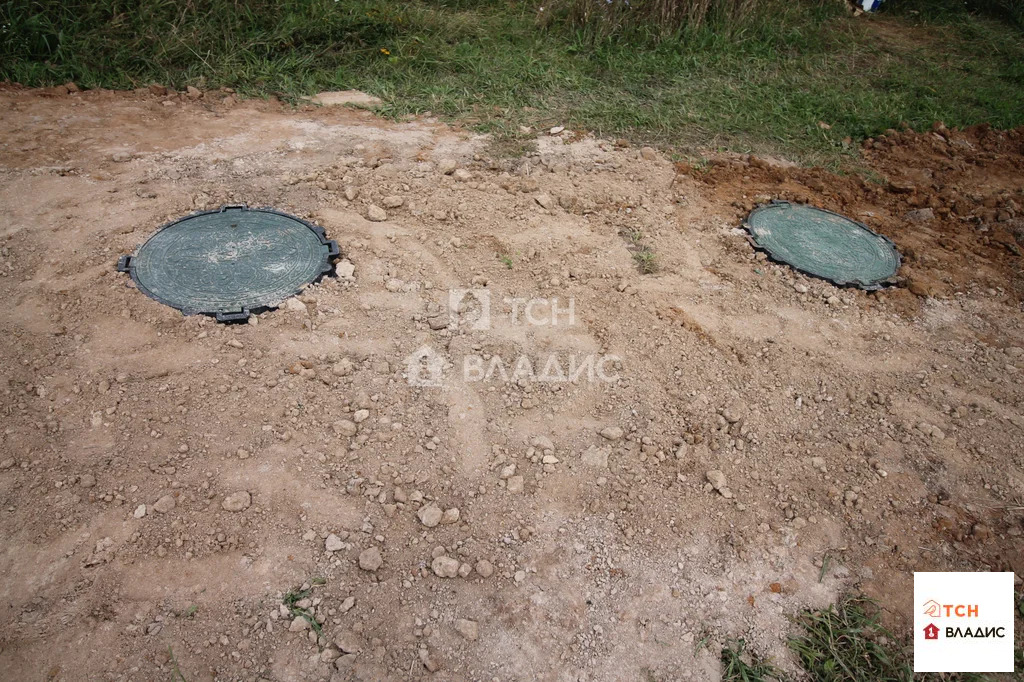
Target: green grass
(738, 667)
(291, 600)
(762, 84)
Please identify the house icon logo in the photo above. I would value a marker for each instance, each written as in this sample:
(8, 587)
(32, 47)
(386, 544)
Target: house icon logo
(423, 367)
(931, 631)
(932, 608)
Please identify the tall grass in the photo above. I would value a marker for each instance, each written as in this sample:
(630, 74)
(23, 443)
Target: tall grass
(658, 18)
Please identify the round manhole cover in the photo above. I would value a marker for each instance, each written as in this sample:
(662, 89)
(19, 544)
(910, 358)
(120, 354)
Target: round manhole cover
(823, 244)
(230, 262)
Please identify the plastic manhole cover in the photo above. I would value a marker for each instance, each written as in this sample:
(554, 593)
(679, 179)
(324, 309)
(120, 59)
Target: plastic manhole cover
(823, 244)
(230, 262)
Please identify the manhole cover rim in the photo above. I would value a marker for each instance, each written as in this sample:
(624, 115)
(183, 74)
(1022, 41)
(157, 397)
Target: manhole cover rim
(870, 285)
(127, 264)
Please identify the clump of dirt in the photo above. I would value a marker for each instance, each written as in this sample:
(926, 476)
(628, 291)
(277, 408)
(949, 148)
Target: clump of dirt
(491, 447)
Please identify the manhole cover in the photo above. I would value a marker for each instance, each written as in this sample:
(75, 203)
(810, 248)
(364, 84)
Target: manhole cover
(823, 244)
(230, 262)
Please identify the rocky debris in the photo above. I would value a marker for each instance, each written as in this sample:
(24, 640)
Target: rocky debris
(298, 624)
(193, 93)
(139, 512)
(485, 568)
(164, 504)
(236, 502)
(450, 516)
(462, 175)
(717, 481)
(556, 130)
(370, 559)
(333, 543)
(158, 90)
(447, 166)
(430, 515)
(515, 484)
(545, 201)
(469, 629)
(648, 154)
(345, 269)
(612, 432)
(87, 481)
(348, 642)
(392, 201)
(445, 567)
(375, 213)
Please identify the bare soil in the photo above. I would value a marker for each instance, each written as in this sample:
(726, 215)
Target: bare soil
(166, 481)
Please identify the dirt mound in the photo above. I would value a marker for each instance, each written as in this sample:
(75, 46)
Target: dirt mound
(574, 471)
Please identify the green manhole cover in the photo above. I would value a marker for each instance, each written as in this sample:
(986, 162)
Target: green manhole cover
(230, 262)
(823, 244)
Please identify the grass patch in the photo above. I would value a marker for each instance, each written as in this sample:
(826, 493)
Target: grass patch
(291, 601)
(759, 83)
(643, 254)
(737, 666)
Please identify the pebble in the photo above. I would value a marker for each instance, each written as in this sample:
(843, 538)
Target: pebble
(596, 457)
(515, 484)
(294, 305)
(648, 154)
(333, 543)
(450, 516)
(370, 559)
(717, 480)
(485, 568)
(556, 130)
(392, 201)
(462, 175)
(375, 213)
(430, 515)
(469, 629)
(545, 200)
(164, 504)
(447, 166)
(236, 502)
(445, 567)
(87, 480)
(612, 433)
(140, 511)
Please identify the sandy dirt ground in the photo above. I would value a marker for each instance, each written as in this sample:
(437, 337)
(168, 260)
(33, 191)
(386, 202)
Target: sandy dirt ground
(175, 493)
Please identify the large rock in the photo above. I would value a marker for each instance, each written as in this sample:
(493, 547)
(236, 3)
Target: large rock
(341, 98)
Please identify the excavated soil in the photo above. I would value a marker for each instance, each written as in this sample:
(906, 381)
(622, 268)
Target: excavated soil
(176, 493)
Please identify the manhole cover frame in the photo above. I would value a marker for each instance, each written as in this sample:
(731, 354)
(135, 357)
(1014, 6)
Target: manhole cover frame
(126, 264)
(872, 285)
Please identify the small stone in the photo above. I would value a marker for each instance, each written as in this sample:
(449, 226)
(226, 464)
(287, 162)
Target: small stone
(370, 559)
(612, 433)
(545, 200)
(298, 624)
(648, 154)
(556, 130)
(430, 515)
(140, 511)
(716, 479)
(164, 504)
(376, 213)
(469, 629)
(345, 427)
(462, 175)
(193, 92)
(360, 416)
(485, 568)
(392, 201)
(450, 516)
(445, 567)
(345, 269)
(428, 660)
(800, 288)
(333, 543)
(515, 484)
(447, 166)
(236, 502)
(348, 642)
(294, 305)
(157, 89)
(87, 480)
(920, 215)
